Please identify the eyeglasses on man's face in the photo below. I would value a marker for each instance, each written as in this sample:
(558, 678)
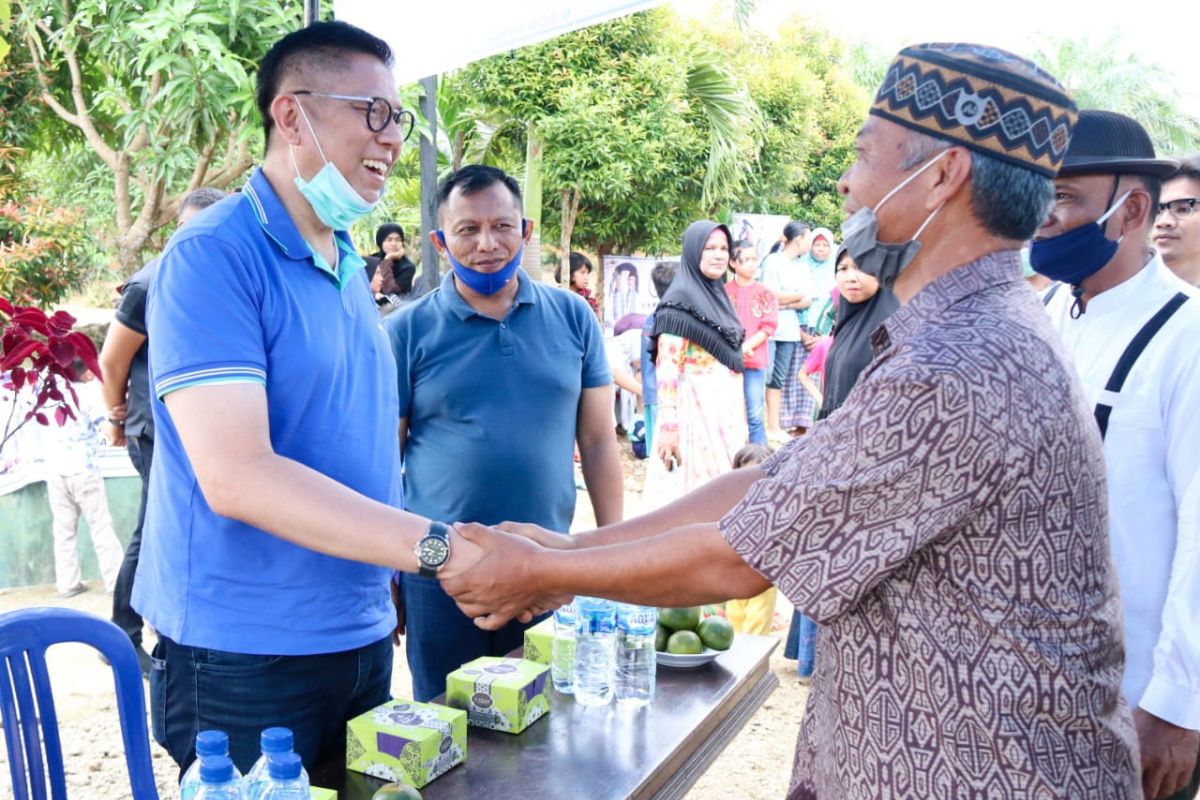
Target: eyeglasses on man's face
(1182, 208)
(379, 112)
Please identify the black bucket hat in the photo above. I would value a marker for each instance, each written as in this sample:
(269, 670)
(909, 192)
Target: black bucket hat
(1107, 143)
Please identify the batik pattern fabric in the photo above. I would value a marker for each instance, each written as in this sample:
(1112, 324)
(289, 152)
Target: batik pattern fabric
(701, 399)
(947, 528)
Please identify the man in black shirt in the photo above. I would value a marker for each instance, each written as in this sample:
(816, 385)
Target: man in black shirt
(124, 359)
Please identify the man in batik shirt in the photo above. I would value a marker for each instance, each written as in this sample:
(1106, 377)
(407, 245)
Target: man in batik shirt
(947, 526)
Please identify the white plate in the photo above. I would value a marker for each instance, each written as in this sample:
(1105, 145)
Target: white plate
(681, 661)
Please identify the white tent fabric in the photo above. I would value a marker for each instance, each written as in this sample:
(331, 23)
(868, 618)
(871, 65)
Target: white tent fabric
(431, 38)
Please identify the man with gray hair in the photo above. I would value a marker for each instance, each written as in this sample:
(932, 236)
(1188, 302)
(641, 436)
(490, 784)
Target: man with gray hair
(126, 390)
(947, 526)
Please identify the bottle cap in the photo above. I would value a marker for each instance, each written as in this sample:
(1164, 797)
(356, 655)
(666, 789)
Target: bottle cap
(283, 766)
(276, 740)
(212, 743)
(216, 769)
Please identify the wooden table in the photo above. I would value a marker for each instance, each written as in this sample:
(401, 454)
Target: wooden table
(612, 752)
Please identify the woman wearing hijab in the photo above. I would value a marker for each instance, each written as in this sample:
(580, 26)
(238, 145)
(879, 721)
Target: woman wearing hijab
(863, 305)
(700, 422)
(388, 269)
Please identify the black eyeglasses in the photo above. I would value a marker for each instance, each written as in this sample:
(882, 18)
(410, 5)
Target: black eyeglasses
(379, 112)
(1182, 208)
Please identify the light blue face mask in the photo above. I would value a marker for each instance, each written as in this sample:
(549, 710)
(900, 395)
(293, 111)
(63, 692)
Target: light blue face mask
(335, 202)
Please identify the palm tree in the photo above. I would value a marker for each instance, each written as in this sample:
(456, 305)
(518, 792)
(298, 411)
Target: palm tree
(1098, 76)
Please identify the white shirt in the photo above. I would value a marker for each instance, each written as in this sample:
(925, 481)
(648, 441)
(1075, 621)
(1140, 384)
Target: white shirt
(1152, 454)
(788, 276)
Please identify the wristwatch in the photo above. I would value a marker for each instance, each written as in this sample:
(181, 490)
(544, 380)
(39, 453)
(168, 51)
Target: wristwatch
(433, 549)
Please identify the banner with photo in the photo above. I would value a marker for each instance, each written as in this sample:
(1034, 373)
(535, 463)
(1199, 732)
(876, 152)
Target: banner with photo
(628, 287)
(763, 230)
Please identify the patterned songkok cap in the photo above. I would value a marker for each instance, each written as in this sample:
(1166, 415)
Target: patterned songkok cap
(983, 98)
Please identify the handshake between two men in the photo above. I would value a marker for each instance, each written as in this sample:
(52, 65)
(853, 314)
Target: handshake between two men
(675, 556)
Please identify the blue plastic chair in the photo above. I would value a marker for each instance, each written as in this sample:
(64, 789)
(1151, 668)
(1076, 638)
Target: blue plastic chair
(35, 754)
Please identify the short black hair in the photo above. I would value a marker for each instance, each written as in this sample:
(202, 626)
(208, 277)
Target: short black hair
(201, 198)
(662, 275)
(794, 230)
(475, 178)
(1189, 167)
(321, 45)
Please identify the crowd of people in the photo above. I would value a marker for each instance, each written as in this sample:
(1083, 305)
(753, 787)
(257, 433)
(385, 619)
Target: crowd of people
(985, 493)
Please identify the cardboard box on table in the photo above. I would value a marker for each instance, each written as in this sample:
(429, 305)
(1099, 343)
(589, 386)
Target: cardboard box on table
(538, 641)
(503, 694)
(407, 742)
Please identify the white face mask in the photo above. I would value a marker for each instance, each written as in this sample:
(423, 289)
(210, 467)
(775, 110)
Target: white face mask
(860, 236)
(335, 202)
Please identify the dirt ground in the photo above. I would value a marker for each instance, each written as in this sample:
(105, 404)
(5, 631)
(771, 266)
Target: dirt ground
(757, 762)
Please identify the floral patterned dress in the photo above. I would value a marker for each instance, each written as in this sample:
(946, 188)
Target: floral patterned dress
(702, 399)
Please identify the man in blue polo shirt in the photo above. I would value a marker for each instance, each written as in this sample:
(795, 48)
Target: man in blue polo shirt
(500, 376)
(274, 522)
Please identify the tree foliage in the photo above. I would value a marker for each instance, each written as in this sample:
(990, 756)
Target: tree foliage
(160, 92)
(1098, 75)
(639, 130)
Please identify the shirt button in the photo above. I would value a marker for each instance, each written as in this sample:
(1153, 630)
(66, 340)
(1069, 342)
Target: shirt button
(503, 325)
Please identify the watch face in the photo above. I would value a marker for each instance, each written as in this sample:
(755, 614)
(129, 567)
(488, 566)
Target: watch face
(433, 551)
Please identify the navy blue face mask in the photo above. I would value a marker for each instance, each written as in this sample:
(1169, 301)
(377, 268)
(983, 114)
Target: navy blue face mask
(1078, 254)
(487, 283)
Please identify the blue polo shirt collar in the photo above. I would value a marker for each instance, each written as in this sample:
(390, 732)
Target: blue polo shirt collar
(453, 301)
(278, 225)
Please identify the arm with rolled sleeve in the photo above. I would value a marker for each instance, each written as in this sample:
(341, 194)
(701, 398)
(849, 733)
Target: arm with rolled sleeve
(850, 503)
(1173, 693)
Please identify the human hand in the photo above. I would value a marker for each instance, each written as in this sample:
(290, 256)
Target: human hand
(401, 615)
(747, 351)
(667, 445)
(113, 433)
(502, 583)
(377, 281)
(546, 538)
(118, 412)
(1168, 754)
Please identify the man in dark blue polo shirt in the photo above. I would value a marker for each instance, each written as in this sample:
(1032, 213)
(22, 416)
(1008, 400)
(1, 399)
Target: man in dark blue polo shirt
(274, 521)
(500, 377)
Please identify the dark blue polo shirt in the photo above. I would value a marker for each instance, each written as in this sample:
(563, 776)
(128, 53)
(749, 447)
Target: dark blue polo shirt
(239, 297)
(492, 406)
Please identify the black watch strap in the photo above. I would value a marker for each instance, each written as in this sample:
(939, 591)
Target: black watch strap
(437, 530)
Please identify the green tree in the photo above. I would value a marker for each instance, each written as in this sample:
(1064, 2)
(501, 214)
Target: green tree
(638, 127)
(161, 93)
(1099, 76)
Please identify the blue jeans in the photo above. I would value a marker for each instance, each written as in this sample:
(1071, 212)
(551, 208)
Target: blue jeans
(194, 689)
(802, 644)
(754, 387)
(440, 638)
(781, 361)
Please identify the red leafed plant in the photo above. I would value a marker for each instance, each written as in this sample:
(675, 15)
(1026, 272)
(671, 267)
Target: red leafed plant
(37, 354)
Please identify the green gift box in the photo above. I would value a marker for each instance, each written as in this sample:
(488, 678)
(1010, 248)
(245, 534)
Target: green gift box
(538, 641)
(317, 793)
(406, 742)
(504, 694)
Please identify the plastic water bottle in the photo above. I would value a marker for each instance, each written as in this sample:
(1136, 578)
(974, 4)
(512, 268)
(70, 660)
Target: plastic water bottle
(562, 649)
(209, 744)
(219, 780)
(636, 660)
(595, 640)
(286, 778)
(274, 742)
